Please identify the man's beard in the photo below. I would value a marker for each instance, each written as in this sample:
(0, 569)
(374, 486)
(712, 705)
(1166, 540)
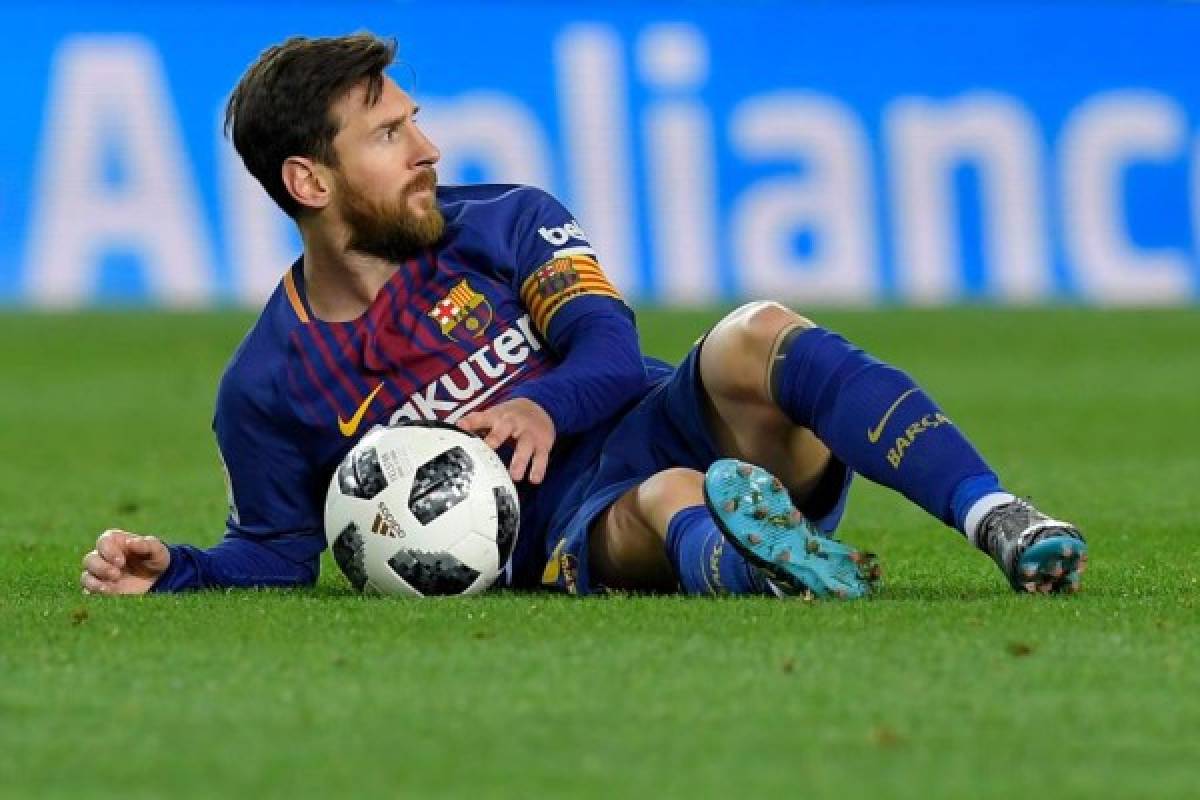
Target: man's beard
(390, 229)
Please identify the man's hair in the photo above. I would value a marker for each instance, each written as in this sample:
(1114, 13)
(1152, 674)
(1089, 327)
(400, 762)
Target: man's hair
(282, 106)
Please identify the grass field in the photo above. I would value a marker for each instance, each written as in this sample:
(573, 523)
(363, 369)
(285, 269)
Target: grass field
(944, 686)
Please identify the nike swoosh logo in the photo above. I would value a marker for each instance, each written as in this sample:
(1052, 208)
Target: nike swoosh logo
(348, 427)
(873, 434)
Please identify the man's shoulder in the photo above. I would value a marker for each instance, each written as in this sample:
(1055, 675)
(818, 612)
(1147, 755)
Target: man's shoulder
(492, 202)
(256, 369)
(517, 225)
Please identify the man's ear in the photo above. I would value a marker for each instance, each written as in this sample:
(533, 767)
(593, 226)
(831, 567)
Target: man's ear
(307, 182)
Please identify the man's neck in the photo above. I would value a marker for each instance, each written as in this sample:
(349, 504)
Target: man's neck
(340, 284)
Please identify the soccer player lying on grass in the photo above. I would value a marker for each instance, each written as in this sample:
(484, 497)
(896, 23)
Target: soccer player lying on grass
(485, 306)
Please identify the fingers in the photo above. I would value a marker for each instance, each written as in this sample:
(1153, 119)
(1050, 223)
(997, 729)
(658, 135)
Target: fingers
(96, 565)
(523, 422)
(520, 458)
(93, 585)
(532, 454)
(502, 430)
(153, 554)
(144, 546)
(497, 425)
(541, 458)
(111, 546)
(475, 421)
(105, 567)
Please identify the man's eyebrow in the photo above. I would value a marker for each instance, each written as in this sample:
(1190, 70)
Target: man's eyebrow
(392, 122)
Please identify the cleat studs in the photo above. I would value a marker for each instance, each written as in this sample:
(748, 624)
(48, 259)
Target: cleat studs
(841, 593)
(857, 557)
(784, 556)
(1030, 587)
(795, 517)
(754, 539)
(744, 470)
(760, 513)
(1029, 570)
(874, 573)
(776, 485)
(812, 546)
(731, 505)
(1045, 588)
(1067, 550)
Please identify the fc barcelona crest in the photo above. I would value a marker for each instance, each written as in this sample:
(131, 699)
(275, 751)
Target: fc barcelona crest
(556, 277)
(462, 309)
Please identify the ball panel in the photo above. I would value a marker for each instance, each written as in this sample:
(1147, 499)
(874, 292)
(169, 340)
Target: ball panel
(440, 484)
(360, 474)
(349, 553)
(433, 573)
(508, 520)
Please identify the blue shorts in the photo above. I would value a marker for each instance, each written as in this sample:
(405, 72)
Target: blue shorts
(667, 428)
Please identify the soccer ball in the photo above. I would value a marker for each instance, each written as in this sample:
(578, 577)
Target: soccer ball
(421, 509)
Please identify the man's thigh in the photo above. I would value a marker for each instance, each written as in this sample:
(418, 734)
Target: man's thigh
(745, 421)
(627, 542)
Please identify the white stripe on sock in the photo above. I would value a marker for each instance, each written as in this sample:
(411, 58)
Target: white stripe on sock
(980, 509)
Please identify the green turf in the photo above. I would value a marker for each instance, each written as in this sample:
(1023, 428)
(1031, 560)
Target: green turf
(945, 686)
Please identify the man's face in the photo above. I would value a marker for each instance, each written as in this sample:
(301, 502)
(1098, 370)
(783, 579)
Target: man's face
(385, 178)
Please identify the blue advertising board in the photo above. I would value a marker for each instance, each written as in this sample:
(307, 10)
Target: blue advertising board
(847, 154)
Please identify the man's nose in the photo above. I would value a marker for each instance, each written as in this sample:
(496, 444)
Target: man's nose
(427, 153)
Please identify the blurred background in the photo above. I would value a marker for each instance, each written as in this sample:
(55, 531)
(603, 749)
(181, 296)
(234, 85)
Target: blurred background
(843, 154)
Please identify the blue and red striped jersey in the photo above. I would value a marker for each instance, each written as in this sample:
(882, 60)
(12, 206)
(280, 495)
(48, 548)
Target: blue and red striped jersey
(463, 325)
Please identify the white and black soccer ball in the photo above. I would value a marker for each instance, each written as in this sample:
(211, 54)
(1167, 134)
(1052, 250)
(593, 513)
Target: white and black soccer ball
(421, 509)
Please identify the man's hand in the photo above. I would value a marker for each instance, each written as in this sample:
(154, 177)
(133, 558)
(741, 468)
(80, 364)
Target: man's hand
(527, 424)
(124, 563)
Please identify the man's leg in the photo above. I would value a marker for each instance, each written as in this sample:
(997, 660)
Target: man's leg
(664, 535)
(660, 537)
(799, 400)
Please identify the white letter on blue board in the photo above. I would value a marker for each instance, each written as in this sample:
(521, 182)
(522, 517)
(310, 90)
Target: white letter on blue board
(108, 95)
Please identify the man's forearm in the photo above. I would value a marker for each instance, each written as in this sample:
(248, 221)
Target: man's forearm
(236, 563)
(601, 371)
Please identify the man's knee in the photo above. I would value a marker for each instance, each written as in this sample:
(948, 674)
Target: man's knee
(663, 494)
(737, 353)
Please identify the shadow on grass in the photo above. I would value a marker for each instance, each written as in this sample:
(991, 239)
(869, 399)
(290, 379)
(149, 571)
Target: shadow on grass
(904, 593)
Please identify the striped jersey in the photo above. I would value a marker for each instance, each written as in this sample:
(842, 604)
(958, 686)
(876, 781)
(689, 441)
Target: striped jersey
(458, 327)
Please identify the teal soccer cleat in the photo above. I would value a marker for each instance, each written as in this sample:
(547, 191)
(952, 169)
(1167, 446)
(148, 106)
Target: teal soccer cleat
(755, 513)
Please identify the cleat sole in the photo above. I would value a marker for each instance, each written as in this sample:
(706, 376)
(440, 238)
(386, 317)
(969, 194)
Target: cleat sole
(775, 538)
(1052, 565)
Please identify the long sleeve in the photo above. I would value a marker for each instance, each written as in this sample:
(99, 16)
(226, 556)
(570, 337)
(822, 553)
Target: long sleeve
(573, 306)
(242, 563)
(600, 372)
(274, 532)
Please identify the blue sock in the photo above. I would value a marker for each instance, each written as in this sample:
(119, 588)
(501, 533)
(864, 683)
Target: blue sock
(879, 423)
(703, 560)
